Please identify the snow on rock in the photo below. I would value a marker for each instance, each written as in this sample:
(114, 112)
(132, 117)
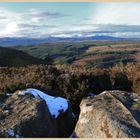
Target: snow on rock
(92, 94)
(56, 105)
(17, 136)
(6, 111)
(8, 94)
(10, 132)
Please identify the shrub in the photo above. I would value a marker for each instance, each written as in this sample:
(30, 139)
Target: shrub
(70, 81)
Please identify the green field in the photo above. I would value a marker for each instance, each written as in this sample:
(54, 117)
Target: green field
(75, 52)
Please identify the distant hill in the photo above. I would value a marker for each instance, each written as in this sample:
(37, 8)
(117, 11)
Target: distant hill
(97, 53)
(10, 57)
(15, 41)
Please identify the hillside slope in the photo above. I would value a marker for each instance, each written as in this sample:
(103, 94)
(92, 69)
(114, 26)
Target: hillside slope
(10, 57)
(87, 53)
(14, 41)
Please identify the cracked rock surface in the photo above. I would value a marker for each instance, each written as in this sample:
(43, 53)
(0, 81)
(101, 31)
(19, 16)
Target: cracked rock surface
(111, 114)
(27, 116)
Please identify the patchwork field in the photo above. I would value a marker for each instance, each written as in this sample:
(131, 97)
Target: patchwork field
(86, 53)
(108, 55)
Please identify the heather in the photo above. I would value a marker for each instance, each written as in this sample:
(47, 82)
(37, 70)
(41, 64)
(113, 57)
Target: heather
(72, 82)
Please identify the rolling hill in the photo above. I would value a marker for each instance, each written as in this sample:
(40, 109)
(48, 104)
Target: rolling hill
(16, 41)
(11, 57)
(103, 53)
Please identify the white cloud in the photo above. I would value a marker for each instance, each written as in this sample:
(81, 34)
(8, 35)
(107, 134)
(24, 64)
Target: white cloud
(113, 19)
(117, 13)
(36, 19)
(10, 30)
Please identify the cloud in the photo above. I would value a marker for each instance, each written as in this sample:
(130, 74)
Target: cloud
(35, 26)
(112, 19)
(10, 30)
(43, 13)
(38, 15)
(89, 29)
(35, 30)
(2, 18)
(120, 28)
(117, 13)
(36, 19)
(125, 31)
(30, 23)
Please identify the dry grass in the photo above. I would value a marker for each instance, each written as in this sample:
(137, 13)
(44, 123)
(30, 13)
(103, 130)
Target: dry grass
(72, 82)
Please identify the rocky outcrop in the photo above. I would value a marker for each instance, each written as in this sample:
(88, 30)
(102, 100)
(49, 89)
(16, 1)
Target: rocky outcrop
(27, 115)
(111, 114)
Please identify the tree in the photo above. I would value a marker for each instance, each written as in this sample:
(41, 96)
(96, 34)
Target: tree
(48, 59)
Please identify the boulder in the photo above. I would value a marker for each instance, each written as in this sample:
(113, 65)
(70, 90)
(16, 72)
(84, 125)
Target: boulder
(111, 114)
(27, 114)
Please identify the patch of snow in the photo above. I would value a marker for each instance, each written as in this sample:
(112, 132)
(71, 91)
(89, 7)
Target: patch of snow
(55, 104)
(8, 94)
(6, 111)
(21, 93)
(10, 132)
(92, 94)
(134, 95)
(135, 99)
(104, 92)
(17, 136)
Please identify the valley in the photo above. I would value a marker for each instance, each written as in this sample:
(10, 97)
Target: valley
(104, 53)
(57, 83)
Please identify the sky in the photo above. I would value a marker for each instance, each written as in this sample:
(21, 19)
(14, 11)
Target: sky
(69, 19)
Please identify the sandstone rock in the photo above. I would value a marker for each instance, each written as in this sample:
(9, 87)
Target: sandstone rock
(28, 116)
(111, 114)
